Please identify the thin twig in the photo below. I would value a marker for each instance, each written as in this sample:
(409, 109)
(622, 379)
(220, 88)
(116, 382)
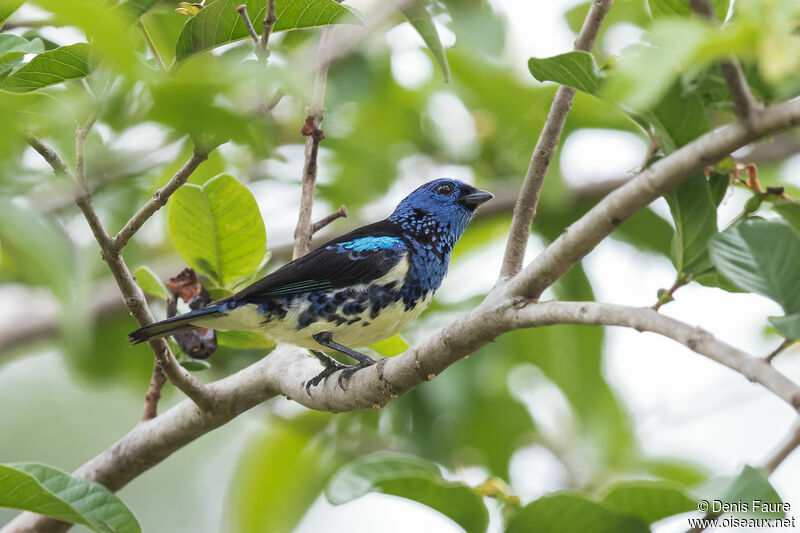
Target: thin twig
(152, 46)
(49, 155)
(324, 221)
(772, 355)
(159, 199)
(153, 395)
(789, 444)
(743, 99)
(311, 129)
(242, 10)
(667, 296)
(525, 210)
(262, 47)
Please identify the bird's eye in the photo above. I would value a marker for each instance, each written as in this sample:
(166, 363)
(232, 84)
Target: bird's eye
(445, 189)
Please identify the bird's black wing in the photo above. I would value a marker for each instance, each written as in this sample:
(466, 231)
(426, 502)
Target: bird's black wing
(361, 256)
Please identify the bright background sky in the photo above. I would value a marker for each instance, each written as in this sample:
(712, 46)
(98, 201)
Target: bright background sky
(683, 405)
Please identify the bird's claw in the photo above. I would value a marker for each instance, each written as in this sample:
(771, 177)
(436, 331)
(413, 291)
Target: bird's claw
(330, 367)
(348, 371)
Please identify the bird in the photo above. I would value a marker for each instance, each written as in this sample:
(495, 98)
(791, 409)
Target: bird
(352, 291)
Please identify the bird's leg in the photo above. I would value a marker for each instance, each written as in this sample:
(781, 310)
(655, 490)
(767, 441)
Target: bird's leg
(326, 339)
(331, 365)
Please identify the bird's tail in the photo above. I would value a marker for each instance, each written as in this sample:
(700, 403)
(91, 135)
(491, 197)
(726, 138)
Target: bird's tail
(171, 326)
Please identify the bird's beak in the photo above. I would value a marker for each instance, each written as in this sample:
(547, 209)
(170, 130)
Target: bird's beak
(474, 199)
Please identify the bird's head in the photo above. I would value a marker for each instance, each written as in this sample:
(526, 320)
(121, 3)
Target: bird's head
(441, 207)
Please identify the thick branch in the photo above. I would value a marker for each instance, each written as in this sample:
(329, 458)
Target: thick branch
(647, 319)
(303, 231)
(525, 210)
(661, 177)
(743, 99)
(286, 370)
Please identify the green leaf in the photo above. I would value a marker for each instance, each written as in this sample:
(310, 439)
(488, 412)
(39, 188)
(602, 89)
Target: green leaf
(761, 256)
(561, 513)
(751, 484)
(411, 477)
(574, 69)
(195, 365)
(789, 211)
(667, 8)
(217, 229)
(280, 474)
(45, 490)
(13, 47)
(788, 326)
(150, 282)
(137, 8)
(244, 340)
(420, 17)
(649, 500)
(661, 8)
(50, 68)
(219, 23)
(7, 7)
(394, 345)
(695, 217)
(37, 248)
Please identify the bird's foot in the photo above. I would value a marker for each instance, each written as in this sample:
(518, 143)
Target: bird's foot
(348, 371)
(331, 365)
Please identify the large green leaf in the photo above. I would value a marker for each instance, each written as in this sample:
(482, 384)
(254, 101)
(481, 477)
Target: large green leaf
(280, 474)
(219, 23)
(420, 17)
(649, 500)
(574, 69)
(761, 256)
(563, 513)
(695, 217)
(217, 229)
(410, 477)
(45, 490)
(50, 68)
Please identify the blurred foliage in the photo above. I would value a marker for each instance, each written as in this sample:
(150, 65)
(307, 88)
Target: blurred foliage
(383, 133)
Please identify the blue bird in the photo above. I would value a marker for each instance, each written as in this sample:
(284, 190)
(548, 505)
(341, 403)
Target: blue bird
(352, 291)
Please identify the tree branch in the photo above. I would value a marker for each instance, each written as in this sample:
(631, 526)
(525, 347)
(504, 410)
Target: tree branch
(159, 198)
(661, 177)
(646, 319)
(525, 210)
(311, 129)
(287, 369)
(789, 444)
(324, 221)
(743, 99)
(132, 294)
